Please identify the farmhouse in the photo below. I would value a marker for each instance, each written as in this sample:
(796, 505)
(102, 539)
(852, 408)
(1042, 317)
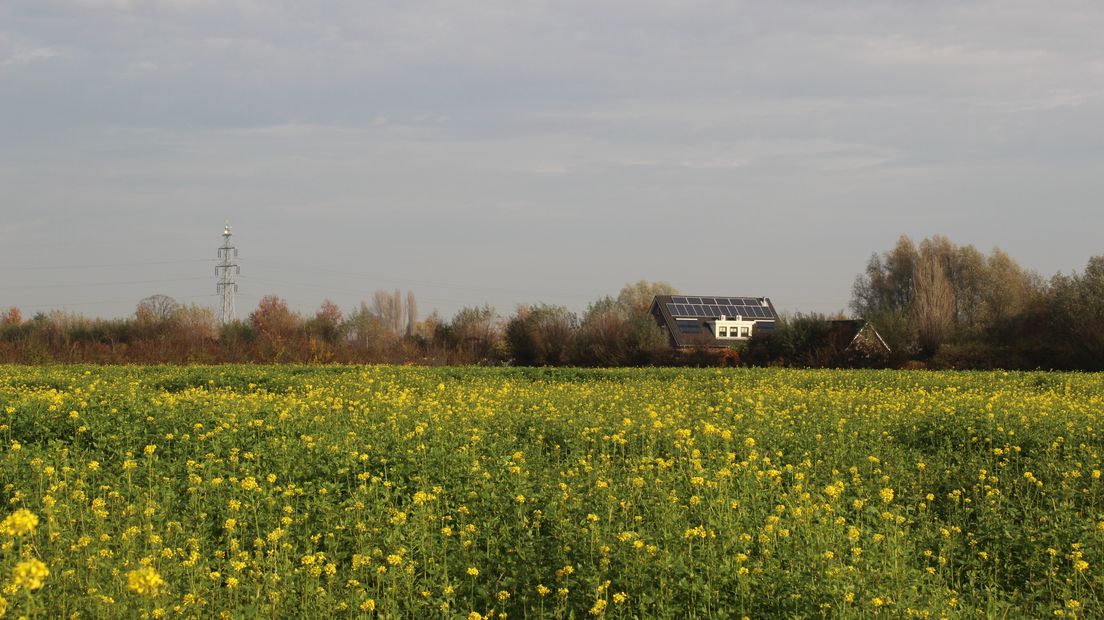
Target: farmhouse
(693, 321)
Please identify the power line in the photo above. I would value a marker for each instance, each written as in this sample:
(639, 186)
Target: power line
(409, 281)
(45, 287)
(106, 301)
(106, 265)
(346, 291)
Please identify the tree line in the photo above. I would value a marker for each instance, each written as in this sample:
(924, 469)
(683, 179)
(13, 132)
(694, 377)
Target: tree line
(935, 304)
(613, 331)
(953, 306)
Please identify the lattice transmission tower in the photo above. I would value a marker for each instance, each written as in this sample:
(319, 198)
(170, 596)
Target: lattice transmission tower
(226, 270)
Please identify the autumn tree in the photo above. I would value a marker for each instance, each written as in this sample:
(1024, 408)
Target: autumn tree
(1007, 292)
(969, 282)
(542, 335)
(636, 298)
(366, 332)
(604, 334)
(325, 325)
(275, 326)
(11, 317)
(475, 332)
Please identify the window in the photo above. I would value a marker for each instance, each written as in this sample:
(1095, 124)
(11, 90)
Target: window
(745, 332)
(722, 332)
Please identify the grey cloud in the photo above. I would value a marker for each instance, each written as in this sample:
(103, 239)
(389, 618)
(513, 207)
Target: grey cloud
(509, 147)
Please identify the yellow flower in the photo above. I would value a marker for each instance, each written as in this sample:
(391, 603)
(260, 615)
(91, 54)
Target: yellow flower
(20, 522)
(473, 571)
(368, 605)
(599, 607)
(145, 581)
(29, 574)
(886, 495)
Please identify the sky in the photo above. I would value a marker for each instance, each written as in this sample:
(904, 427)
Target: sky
(520, 151)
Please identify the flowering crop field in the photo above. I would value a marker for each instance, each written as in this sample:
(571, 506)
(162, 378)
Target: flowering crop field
(400, 492)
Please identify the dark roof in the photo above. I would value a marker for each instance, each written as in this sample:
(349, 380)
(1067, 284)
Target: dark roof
(855, 334)
(686, 316)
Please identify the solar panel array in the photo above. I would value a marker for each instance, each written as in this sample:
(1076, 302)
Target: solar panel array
(714, 307)
(688, 327)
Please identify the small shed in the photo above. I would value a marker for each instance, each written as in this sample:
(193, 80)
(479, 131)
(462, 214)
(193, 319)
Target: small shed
(857, 341)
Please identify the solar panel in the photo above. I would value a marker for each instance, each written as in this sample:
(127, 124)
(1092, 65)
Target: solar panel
(714, 307)
(687, 327)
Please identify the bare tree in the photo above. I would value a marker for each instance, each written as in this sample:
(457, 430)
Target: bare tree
(887, 284)
(156, 308)
(385, 308)
(932, 306)
(397, 315)
(411, 313)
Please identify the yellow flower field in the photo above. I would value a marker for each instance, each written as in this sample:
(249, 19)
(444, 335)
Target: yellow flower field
(402, 492)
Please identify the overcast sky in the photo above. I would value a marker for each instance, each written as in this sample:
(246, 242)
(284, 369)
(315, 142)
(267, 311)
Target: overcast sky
(521, 151)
